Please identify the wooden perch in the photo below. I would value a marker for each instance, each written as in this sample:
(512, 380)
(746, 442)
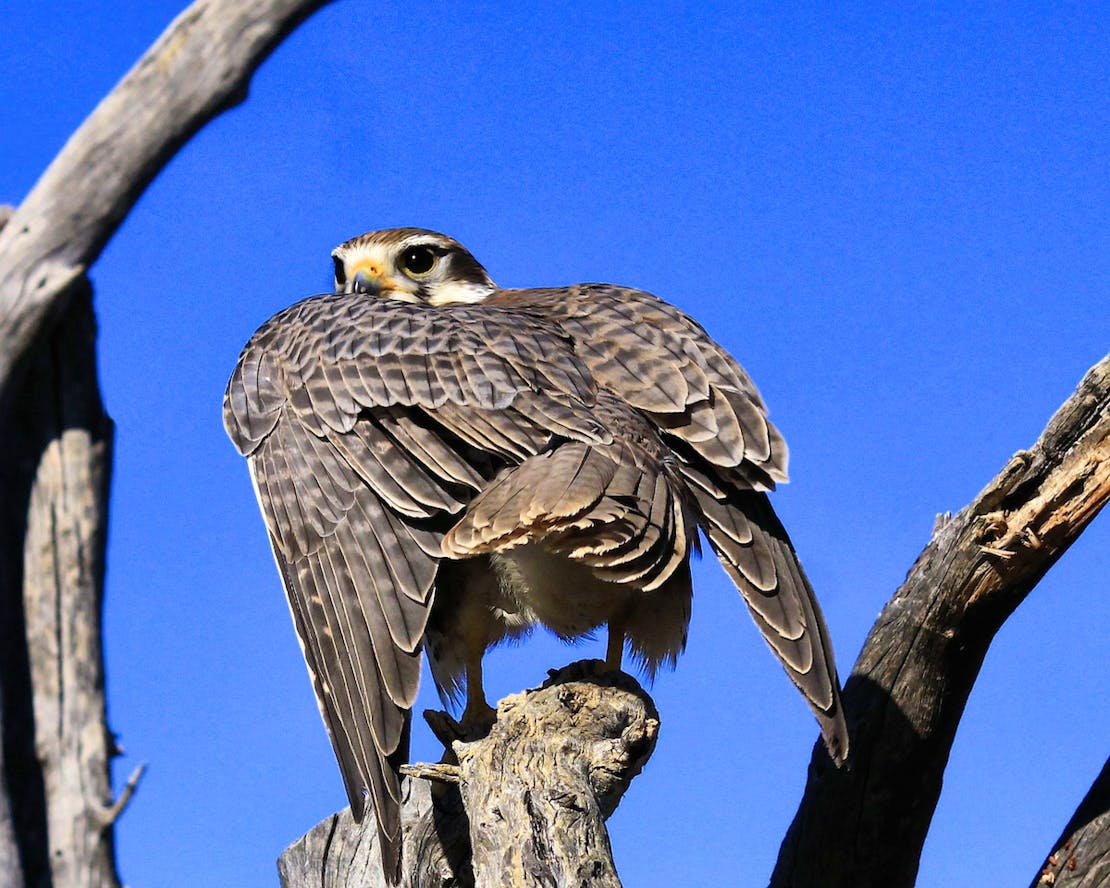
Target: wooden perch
(531, 801)
(865, 825)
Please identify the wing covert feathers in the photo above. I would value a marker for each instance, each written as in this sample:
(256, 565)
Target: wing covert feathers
(612, 507)
(662, 363)
(600, 421)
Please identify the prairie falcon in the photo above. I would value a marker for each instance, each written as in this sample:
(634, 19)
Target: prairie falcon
(442, 464)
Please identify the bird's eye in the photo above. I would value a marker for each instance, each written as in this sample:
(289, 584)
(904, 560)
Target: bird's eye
(340, 272)
(418, 260)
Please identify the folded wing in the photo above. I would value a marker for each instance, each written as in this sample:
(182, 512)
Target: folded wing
(367, 426)
(664, 364)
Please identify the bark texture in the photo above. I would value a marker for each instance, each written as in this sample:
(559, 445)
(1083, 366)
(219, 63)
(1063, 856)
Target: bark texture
(56, 453)
(56, 810)
(1081, 856)
(865, 825)
(531, 800)
(339, 853)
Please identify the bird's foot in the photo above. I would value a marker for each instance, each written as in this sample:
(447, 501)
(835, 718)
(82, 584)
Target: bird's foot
(475, 723)
(583, 669)
(477, 718)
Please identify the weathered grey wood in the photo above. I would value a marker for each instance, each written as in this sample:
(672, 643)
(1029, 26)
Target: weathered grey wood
(1081, 856)
(339, 853)
(531, 801)
(555, 765)
(63, 564)
(11, 867)
(198, 68)
(55, 447)
(56, 809)
(865, 825)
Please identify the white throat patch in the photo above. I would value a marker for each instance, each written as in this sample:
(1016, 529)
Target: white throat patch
(458, 292)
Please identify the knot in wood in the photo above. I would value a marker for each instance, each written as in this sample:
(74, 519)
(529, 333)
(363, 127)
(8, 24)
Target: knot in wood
(553, 767)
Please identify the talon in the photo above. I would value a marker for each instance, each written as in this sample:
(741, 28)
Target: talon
(600, 667)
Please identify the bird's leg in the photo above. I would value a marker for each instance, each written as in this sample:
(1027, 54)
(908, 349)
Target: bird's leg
(478, 713)
(614, 651)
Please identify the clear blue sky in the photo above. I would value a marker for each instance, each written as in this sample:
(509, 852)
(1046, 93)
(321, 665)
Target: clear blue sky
(897, 219)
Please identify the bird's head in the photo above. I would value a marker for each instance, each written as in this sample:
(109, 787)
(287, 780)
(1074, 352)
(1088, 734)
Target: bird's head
(411, 265)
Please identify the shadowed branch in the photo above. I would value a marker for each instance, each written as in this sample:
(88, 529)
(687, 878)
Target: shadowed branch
(866, 825)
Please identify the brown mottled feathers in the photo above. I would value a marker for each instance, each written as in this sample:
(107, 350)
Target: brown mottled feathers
(613, 506)
(596, 421)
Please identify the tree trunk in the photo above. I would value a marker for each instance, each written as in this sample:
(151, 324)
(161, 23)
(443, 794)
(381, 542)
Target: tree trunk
(56, 811)
(56, 453)
(529, 806)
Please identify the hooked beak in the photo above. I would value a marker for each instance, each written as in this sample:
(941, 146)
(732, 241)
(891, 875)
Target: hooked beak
(368, 277)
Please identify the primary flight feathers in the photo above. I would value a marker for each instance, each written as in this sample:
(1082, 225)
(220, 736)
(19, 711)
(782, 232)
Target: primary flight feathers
(442, 463)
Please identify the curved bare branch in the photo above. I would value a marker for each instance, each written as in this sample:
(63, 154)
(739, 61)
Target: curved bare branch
(865, 825)
(56, 810)
(198, 68)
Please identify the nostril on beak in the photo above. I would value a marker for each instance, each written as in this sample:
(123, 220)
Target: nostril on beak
(365, 282)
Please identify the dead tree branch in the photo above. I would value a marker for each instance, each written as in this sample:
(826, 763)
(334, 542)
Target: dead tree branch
(58, 460)
(56, 810)
(531, 801)
(865, 826)
(1081, 856)
(197, 69)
